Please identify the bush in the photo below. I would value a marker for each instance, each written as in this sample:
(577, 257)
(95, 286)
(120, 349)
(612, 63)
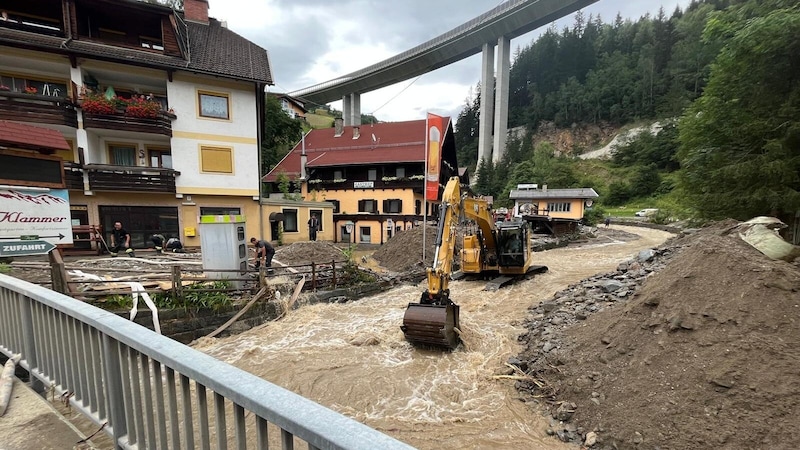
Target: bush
(594, 216)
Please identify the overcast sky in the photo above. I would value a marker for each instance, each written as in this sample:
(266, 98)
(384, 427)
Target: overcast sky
(312, 41)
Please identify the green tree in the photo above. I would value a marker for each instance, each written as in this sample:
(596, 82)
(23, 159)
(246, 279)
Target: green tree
(740, 142)
(281, 133)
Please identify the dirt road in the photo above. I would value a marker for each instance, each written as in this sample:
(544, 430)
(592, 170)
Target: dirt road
(353, 358)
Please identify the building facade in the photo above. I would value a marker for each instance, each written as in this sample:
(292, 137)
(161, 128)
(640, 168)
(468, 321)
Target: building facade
(162, 109)
(373, 175)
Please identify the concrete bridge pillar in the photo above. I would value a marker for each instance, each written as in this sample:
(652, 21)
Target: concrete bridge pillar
(487, 105)
(351, 109)
(346, 108)
(501, 98)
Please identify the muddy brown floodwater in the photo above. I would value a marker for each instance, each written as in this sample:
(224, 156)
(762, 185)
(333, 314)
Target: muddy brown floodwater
(353, 358)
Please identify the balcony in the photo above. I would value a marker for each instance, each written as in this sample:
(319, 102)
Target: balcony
(131, 178)
(73, 176)
(35, 108)
(162, 124)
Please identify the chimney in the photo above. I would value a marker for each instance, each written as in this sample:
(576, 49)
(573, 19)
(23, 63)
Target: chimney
(338, 125)
(356, 132)
(196, 10)
(544, 187)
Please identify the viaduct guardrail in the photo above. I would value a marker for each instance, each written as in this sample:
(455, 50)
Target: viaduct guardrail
(155, 393)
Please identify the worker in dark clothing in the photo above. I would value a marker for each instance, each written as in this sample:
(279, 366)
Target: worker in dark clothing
(313, 226)
(174, 245)
(264, 252)
(158, 242)
(120, 240)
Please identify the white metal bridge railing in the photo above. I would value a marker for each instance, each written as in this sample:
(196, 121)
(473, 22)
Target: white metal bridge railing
(156, 393)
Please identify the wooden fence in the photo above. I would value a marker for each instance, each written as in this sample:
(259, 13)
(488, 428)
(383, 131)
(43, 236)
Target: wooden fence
(177, 277)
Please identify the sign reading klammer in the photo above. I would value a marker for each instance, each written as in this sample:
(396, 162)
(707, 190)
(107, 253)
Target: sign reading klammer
(40, 215)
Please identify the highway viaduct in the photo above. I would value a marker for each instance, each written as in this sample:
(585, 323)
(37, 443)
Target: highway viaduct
(489, 34)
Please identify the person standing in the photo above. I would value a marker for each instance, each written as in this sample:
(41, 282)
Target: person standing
(608, 221)
(264, 252)
(313, 226)
(120, 239)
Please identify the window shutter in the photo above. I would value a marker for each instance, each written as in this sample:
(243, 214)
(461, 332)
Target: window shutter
(361, 205)
(399, 206)
(386, 206)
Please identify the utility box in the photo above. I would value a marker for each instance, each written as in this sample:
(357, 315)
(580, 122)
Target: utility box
(224, 247)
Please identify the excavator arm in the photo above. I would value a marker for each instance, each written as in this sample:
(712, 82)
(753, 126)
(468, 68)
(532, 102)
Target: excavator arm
(434, 320)
(439, 273)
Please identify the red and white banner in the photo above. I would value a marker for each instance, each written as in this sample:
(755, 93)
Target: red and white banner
(433, 153)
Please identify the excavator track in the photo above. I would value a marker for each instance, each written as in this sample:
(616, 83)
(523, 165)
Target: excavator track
(431, 325)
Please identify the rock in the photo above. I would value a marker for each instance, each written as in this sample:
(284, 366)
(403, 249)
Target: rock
(646, 255)
(637, 438)
(591, 439)
(610, 285)
(565, 411)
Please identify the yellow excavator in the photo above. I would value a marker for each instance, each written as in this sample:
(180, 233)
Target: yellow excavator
(501, 250)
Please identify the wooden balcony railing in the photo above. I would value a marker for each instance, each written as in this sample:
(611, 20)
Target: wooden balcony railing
(36, 108)
(73, 176)
(131, 179)
(158, 125)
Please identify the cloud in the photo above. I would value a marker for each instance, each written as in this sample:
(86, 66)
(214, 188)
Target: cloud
(313, 41)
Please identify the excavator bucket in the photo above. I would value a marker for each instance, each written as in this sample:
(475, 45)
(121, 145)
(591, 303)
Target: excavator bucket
(431, 325)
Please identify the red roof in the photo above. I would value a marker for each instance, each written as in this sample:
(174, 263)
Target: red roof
(13, 134)
(380, 143)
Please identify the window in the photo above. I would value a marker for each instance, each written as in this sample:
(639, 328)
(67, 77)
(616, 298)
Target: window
(151, 43)
(220, 211)
(43, 87)
(338, 175)
(364, 235)
(372, 174)
(417, 207)
(122, 154)
(318, 212)
(393, 206)
(160, 157)
(559, 207)
(215, 106)
(335, 206)
(400, 172)
(290, 220)
(216, 159)
(368, 206)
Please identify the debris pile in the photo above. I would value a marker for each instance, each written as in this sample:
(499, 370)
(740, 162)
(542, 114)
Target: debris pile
(306, 252)
(691, 345)
(403, 251)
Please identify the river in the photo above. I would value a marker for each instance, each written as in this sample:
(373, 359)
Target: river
(352, 357)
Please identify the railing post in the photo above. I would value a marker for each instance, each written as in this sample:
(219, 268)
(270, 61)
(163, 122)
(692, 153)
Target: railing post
(29, 342)
(313, 276)
(333, 264)
(262, 276)
(177, 285)
(113, 387)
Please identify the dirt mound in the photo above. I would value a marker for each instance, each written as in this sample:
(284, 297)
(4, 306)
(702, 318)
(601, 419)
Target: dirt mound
(403, 252)
(703, 353)
(307, 252)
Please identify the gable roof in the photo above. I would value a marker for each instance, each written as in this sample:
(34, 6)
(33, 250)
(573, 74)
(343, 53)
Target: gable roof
(20, 135)
(293, 100)
(543, 194)
(380, 143)
(208, 48)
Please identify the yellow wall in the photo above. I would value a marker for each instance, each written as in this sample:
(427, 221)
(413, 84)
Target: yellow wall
(348, 199)
(303, 216)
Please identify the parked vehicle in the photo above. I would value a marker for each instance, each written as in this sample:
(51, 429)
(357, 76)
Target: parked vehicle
(647, 212)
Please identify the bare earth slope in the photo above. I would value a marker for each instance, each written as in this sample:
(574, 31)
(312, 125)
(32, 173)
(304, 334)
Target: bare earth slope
(704, 353)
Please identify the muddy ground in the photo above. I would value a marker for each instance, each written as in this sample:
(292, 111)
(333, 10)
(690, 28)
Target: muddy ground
(691, 345)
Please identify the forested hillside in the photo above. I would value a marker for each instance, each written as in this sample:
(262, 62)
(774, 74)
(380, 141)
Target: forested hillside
(723, 77)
